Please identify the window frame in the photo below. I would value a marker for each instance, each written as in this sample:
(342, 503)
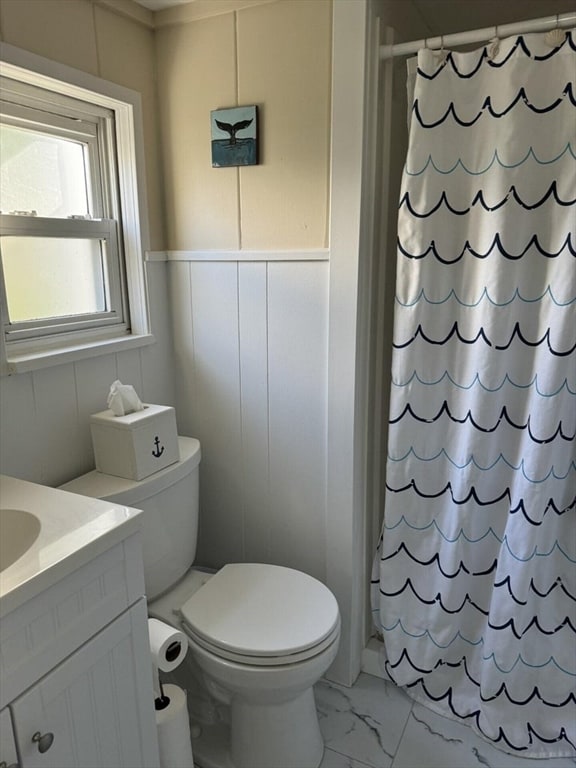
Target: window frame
(128, 326)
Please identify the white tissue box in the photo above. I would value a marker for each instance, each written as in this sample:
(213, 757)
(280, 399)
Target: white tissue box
(136, 445)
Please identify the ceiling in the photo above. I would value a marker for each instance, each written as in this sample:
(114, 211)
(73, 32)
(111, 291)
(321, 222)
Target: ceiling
(447, 16)
(160, 5)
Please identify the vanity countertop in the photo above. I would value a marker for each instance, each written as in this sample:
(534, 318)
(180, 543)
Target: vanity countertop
(73, 530)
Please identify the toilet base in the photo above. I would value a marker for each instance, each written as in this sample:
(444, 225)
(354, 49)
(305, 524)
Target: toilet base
(210, 727)
(212, 747)
(257, 737)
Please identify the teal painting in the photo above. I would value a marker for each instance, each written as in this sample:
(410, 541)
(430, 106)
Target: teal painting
(234, 136)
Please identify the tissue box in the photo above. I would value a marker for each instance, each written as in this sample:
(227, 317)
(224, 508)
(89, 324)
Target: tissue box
(136, 445)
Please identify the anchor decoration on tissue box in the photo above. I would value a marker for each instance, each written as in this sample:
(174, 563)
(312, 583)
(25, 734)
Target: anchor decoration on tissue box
(158, 451)
(137, 444)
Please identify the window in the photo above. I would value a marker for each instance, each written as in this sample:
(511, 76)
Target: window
(72, 280)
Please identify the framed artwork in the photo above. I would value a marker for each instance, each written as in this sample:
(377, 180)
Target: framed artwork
(234, 134)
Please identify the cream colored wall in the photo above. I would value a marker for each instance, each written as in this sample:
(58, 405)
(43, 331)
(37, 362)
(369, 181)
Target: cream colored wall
(95, 38)
(276, 55)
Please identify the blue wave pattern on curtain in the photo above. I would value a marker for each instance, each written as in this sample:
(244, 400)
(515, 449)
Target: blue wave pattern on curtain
(474, 582)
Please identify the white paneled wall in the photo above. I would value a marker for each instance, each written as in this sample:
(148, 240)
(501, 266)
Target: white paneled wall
(44, 430)
(251, 371)
(298, 344)
(255, 400)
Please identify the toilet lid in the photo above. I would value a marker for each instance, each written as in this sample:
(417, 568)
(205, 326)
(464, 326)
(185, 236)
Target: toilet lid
(252, 609)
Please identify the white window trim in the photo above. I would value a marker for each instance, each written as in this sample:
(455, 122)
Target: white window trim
(126, 105)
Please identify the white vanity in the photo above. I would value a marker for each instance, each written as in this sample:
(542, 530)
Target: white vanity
(75, 668)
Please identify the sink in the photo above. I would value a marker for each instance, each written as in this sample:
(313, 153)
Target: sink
(46, 534)
(18, 531)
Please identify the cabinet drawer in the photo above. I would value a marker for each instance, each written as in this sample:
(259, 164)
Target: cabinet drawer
(41, 633)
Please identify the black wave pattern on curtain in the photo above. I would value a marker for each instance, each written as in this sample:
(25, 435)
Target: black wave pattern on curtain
(474, 580)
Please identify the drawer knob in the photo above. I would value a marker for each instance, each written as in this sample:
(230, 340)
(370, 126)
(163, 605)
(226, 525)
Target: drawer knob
(44, 741)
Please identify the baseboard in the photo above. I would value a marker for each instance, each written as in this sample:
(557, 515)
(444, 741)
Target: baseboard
(374, 659)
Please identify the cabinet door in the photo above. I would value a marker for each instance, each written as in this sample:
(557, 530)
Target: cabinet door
(98, 704)
(7, 743)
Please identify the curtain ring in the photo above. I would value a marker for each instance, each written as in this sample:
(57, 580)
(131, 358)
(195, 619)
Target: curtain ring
(494, 46)
(439, 53)
(442, 53)
(556, 36)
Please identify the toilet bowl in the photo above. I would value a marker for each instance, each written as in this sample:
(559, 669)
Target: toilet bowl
(261, 635)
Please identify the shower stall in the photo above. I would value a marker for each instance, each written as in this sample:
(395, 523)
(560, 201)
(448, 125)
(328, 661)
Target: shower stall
(407, 422)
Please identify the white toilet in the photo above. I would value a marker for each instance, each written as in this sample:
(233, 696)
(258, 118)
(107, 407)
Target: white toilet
(261, 634)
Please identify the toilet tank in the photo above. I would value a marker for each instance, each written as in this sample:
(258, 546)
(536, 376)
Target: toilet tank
(169, 500)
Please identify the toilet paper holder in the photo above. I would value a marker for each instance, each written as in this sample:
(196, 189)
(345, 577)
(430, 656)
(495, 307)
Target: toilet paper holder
(172, 653)
(168, 648)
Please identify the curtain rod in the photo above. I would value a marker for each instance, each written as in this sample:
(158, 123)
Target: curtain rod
(480, 35)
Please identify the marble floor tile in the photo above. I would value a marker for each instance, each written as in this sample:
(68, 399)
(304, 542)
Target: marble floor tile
(432, 741)
(363, 723)
(336, 760)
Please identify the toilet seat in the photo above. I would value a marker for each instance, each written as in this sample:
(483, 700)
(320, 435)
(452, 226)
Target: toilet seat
(262, 615)
(261, 661)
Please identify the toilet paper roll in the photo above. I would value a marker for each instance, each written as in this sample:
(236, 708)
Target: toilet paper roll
(173, 727)
(167, 645)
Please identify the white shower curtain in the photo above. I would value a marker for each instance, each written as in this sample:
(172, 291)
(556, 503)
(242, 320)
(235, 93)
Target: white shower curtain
(474, 582)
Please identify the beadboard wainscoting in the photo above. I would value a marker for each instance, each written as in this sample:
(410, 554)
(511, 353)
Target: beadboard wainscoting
(251, 359)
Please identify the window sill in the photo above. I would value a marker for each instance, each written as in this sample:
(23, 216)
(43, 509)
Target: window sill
(24, 362)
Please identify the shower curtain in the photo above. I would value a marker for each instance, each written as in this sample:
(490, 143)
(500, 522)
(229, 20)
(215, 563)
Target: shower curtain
(474, 581)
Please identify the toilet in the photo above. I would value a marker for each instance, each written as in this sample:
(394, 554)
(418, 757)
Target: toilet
(261, 635)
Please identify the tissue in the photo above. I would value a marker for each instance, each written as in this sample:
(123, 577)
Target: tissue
(122, 399)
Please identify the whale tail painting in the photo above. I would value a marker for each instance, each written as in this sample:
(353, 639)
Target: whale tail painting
(233, 129)
(234, 137)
